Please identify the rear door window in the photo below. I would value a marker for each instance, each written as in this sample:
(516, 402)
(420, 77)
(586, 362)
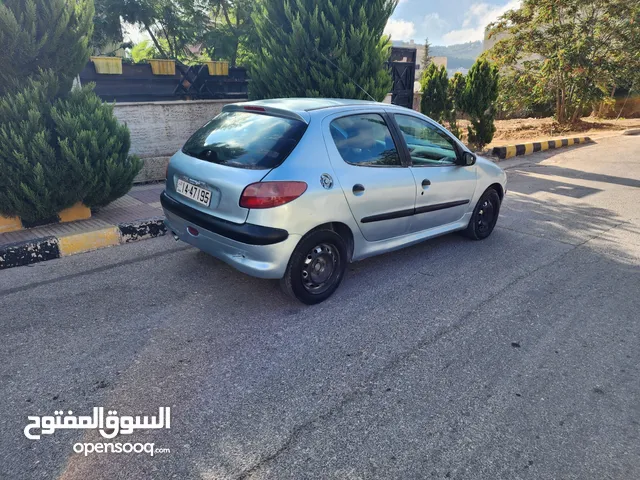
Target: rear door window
(246, 140)
(365, 140)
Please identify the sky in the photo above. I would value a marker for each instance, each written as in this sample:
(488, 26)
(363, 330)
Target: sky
(445, 22)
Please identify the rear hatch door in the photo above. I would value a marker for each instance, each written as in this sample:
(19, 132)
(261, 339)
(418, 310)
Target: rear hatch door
(235, 149)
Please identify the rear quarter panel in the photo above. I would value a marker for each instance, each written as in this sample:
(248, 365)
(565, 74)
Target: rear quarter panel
(318, 205)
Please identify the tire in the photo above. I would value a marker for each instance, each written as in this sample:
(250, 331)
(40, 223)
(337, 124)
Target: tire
(481, 224)
(316, 267)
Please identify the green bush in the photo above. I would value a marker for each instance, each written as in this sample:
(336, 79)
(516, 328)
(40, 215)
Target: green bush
(89, 135)
(40, 35)
(435, 89)
(479, 101)
(454, 104)
(57, 151)
(322, 48)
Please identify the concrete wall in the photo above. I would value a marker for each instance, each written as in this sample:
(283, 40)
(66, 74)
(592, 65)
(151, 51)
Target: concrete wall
(159, 129)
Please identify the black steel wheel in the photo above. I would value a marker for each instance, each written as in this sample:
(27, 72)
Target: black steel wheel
(485, 216)
(316, 267)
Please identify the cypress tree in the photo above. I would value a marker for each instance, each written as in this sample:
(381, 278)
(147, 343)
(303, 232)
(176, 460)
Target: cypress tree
(43, 35)
(322, 48)
(479, 101)
(435, 91)
(454, 103)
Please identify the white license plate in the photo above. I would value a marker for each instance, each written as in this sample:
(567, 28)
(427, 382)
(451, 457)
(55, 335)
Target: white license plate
(194, 192)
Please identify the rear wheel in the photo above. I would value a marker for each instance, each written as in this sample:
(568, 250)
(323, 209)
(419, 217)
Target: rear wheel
(485, 216)
(316, 267)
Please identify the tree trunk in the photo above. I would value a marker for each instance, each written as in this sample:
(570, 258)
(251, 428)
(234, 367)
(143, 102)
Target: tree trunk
(234, 55)
(155, 41)
(577, 113)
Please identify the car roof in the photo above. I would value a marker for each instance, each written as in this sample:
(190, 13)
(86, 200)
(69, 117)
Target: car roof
(300, 108)
(309, 104)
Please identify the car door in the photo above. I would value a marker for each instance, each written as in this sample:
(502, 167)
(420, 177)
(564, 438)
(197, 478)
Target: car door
(379, 189)
(444, 188)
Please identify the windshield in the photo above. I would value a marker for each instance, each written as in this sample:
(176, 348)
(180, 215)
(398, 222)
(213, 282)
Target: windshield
(246, 140)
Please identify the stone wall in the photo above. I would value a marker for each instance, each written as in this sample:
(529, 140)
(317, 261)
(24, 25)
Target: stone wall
(160, 129)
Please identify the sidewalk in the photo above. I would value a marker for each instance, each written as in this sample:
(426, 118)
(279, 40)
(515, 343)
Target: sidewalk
(136, 216)
(141, 203)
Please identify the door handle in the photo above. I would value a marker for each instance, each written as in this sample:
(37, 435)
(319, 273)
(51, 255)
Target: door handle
(426, 183)
(358, 189)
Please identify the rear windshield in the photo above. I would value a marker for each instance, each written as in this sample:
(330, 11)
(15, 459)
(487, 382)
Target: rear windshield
(246, 140)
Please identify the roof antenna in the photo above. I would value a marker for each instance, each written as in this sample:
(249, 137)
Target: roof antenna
(342, 71)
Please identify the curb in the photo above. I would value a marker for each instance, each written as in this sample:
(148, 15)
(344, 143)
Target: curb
(526, 148)
(49, 248)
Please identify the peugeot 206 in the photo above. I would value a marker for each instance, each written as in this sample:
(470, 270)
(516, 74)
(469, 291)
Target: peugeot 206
(295, 189)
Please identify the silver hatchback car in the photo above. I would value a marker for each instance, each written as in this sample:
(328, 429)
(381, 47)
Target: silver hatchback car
(294, 189)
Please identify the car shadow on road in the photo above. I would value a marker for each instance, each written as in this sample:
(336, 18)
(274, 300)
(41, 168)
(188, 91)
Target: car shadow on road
(531, 182)
(534, 163)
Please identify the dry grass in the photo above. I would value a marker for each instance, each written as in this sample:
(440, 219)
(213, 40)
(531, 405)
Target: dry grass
(535, 129)
(523, 130)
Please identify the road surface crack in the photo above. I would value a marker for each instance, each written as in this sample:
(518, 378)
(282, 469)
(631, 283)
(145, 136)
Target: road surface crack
(365, 387)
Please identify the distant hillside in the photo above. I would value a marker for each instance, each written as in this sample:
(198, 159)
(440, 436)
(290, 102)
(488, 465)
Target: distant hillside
(460, 55)
(470, 50)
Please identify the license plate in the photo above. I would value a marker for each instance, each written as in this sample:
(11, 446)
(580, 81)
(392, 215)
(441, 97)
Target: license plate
(194, 192)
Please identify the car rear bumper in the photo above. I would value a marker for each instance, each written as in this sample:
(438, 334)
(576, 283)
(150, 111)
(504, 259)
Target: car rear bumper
(259, 251)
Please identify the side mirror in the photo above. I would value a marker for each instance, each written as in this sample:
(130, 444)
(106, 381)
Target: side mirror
(467, 159)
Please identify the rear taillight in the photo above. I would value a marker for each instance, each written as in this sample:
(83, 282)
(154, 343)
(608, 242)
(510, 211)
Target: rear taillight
(271, 194)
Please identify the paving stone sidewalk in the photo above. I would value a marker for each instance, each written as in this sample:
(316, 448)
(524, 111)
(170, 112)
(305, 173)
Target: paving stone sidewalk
(141, 203)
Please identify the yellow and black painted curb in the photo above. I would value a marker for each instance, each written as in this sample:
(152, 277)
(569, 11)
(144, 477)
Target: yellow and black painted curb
(531, 147)
(49, 248)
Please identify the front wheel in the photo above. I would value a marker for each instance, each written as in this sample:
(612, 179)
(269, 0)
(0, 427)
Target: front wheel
(316, 267)
(485, 216)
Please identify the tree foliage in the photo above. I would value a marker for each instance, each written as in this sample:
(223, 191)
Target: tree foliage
(234, 36)
(313, 48)
(455, 92)
(89, 134)
(520, 95)
(182, 29)
(572, 48)
(172, 25)
(435, 92)
(56, 151)
(426, 56)
(107, 27)
(43, 34)
(143, 51)
(478, 100)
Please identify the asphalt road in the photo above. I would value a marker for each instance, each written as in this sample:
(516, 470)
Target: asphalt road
(515, 357)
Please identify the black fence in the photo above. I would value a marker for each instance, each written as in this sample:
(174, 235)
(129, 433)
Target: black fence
(137, 83)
